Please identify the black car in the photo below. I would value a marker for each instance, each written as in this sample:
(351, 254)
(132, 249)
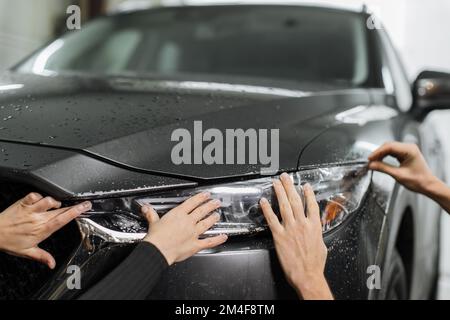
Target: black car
(91, 116)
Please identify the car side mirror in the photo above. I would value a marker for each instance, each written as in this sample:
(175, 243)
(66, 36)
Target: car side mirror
(431, 91)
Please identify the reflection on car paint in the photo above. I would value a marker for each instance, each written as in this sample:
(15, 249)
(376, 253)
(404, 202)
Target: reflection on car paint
(362, 115)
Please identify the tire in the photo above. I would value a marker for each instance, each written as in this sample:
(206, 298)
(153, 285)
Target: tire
(397, 284)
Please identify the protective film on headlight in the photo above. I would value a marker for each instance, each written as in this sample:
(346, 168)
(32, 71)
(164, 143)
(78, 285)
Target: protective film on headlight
(339, 191)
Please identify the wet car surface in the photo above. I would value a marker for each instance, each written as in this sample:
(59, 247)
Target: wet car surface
(74, 129)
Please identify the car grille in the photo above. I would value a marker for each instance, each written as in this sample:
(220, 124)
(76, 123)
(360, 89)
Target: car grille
(20, 278)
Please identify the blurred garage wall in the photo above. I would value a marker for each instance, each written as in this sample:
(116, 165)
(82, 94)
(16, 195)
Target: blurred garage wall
(25, 25)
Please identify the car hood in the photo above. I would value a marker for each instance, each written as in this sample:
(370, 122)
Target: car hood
(129, 122)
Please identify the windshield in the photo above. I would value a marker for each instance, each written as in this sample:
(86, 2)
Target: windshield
(271, 42)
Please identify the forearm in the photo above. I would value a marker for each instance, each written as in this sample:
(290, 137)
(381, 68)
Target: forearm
(315, 288)
(133, 279)
(439, 192)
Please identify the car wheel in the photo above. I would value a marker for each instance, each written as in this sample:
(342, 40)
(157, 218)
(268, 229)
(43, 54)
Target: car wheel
(397, 284)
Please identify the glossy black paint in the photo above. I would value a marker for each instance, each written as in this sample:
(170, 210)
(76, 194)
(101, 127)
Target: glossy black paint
(77, 137)
(124, 122)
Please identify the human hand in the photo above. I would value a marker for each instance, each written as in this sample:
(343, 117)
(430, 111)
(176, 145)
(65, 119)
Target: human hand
(30, 221)
(413, 171)
(298, 239)
(177, 233)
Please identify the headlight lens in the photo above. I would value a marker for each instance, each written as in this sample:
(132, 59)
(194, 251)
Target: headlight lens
(339, 192)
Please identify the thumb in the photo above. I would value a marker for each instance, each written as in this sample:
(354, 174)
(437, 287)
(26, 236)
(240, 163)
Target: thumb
(150, 214)
(383, 167)
(41, 256)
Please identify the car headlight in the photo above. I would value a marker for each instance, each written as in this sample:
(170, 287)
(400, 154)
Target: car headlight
(339, 191)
